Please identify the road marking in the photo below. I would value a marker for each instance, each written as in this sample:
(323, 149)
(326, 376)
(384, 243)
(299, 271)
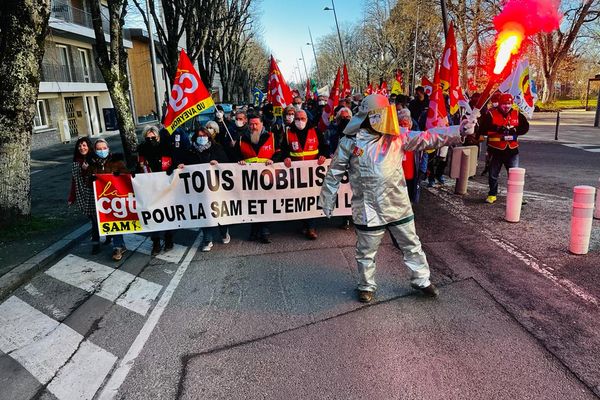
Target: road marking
(456, 207)
(592, 148)
(43, 346)
(111, 388)
(144, 246)
(127, 290)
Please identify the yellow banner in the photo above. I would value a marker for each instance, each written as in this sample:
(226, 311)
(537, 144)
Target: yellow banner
(190, 113)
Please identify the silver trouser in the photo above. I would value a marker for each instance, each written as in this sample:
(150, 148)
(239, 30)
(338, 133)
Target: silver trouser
(406, 240)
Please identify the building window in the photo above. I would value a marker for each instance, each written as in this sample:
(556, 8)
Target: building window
(41, 119)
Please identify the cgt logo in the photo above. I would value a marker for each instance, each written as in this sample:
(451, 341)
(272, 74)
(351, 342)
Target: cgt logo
(119, 205)
(186, 83)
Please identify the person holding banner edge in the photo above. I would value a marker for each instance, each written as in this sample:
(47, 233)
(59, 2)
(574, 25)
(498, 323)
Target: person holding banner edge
(154, 155)
(205, 150)
(371, 153)
(257, 145)
(105, 162)
(302, 142)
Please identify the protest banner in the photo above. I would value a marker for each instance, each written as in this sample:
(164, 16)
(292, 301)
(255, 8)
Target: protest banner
(204, 195)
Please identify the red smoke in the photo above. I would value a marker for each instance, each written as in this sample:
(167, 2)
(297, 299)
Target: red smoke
(534, 16)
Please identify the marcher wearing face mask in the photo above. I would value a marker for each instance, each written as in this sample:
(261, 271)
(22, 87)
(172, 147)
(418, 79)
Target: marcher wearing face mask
(298, 105)
(154, 155)
(258, 145)
(302, 142)
(205, 150)
(283, 124)
(105, 162)
(371, 152)
(502, 126)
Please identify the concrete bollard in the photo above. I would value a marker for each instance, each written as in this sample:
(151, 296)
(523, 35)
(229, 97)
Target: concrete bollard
(463, 178)
(514, 197)
(597, 209)
(581, 219)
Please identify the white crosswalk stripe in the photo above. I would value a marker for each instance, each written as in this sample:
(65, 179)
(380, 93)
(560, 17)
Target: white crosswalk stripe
(592, 148)
(44, 347)
(144, 246)
(127, 290)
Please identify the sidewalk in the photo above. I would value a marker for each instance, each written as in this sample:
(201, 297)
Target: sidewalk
(576, 126)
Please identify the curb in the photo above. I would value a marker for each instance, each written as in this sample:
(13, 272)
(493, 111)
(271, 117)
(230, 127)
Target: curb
(28, 269)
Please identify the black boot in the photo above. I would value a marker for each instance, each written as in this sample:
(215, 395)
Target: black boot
(168, 241)
(155, 247)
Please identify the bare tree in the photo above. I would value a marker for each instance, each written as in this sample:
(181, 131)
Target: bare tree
(23, 27)
(555, 47)
(112, 62)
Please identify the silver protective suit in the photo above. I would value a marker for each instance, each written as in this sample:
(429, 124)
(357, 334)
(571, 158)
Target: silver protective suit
(379, 195)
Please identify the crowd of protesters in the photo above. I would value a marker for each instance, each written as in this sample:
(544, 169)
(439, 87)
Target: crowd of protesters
(255, 135)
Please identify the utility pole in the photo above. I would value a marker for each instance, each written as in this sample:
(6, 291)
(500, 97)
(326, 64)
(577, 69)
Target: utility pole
(153, 57)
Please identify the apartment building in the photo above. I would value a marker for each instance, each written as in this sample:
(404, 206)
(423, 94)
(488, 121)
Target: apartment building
(73, 98)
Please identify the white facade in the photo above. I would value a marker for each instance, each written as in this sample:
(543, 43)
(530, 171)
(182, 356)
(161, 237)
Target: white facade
(73, 97)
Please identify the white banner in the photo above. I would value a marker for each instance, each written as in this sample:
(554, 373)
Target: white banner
(225, 194)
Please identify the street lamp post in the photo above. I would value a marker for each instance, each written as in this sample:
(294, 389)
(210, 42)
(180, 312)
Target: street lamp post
(304, 62)
(314, 54)
(338, 29)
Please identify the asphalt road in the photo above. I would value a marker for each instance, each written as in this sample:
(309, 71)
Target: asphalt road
(517, 317)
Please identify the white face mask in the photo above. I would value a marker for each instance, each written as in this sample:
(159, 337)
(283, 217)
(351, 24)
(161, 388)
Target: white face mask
(298, 107)
(289, 119)
(239, 123)
(300, 124)
(219, 115)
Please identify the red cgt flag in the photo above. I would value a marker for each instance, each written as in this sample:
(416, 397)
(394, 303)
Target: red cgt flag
(332, 103)
(436, 114)
(427, 85)
(449, 70)
(278, 92)
(346, 89)
(308, 95)
(189, 97)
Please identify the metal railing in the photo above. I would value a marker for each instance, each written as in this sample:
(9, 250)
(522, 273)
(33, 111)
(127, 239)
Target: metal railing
(63, 10)
(62, 73)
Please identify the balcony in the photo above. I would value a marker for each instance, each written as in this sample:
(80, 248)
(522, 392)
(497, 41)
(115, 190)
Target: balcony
(64, 11)
(62, 73)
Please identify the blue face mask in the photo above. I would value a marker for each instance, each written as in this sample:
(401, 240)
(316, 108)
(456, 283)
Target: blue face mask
(102, 153)
(202, 140)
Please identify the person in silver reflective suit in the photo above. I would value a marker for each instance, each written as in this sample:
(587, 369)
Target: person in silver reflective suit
(380, 201)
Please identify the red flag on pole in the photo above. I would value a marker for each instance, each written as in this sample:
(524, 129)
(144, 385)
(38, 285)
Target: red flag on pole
(436, 114)
(427, 85)
(369, 89)
(346, 89)
(332, 102)
(449, 70)
(278, 92)
(383, 89)
(308, 94)
(189, 97)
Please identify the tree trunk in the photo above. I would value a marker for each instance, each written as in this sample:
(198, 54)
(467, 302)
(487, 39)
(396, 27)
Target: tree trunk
(549, 79)
(112, 62)
(23, 27)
